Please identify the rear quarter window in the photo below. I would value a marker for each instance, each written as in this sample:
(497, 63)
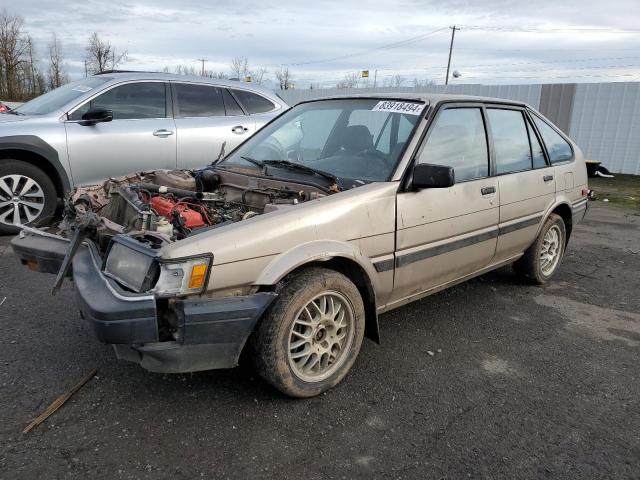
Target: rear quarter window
(252, 102)
(558, 148)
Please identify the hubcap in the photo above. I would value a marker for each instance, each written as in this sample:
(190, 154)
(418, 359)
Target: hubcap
(21, 200)
(550, 254)
(321, 336)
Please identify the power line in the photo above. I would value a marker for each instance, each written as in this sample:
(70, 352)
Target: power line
(370, 50)
(550, 30)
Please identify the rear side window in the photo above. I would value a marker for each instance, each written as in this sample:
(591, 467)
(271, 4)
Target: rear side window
(536, 149)
(557, 147)
(130, 101)
(253, 103)
(510, 140)
(458, 140)
(230, 105)
(198, 100)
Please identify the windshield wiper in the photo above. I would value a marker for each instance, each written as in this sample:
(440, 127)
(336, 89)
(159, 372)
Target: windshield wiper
(14, 112)
(254, 161)
(303, 168)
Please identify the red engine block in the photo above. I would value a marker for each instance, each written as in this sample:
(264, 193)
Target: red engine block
(165, 207)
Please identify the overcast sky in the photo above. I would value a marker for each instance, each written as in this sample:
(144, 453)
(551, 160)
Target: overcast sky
(501, 41)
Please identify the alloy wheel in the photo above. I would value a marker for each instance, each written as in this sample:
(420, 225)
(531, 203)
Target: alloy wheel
(21, 200)
(321, 336)
(550, 252)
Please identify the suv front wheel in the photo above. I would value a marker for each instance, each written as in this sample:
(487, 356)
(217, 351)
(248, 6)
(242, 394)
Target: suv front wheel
(27, 196)
(311, 335)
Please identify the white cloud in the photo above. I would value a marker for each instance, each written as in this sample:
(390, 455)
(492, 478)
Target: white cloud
(521, 41)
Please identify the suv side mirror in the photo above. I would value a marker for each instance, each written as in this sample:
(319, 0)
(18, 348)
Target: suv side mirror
(426, 175)
(96, 116)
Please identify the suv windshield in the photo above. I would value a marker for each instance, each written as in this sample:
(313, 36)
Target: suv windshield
(58, 98)
(358, 140)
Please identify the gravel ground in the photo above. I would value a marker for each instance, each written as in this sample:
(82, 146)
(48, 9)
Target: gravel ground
(521, 382)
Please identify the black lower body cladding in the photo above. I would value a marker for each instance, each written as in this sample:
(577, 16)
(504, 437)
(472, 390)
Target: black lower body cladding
(211, 332)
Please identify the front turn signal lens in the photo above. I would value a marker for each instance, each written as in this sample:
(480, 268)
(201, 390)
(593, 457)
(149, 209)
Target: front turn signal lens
(198, 275)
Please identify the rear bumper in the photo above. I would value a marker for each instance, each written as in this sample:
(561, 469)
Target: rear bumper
(579, 210)
(210, 333)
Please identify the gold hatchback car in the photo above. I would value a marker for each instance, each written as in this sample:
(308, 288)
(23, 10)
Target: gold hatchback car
(289, 247)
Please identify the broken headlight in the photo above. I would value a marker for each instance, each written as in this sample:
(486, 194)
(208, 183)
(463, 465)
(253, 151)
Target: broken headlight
(183, 276)
(131, 264)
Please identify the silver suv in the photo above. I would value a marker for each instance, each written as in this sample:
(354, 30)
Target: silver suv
(115, 123)
(289, 248)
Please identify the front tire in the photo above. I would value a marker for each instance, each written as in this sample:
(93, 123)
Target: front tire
(27, 196)
(311, 335)
(542, 259)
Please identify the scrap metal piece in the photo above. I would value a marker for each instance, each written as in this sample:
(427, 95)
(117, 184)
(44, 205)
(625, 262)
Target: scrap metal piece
(86, 224)
(58, 402)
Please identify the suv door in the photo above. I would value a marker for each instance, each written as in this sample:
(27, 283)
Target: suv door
(444, 234)
(527, 182)
(206, 116)
(141, 135)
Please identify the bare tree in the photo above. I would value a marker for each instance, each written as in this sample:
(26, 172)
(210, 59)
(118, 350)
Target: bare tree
(239, 68)
(422, 83)
(101, 55)
(258, 75)
(284, 78)
(350, 80)
(397, 80)
(13, 51)
(57, 69)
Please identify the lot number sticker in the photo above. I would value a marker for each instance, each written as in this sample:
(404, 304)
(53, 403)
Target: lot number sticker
(411, 108)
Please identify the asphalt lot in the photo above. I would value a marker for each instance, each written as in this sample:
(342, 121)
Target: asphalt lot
(524, 382)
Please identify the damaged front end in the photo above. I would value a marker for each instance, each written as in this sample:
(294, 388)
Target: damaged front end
(156, 311)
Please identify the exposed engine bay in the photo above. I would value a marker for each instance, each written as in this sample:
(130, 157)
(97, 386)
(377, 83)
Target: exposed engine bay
(162, 206)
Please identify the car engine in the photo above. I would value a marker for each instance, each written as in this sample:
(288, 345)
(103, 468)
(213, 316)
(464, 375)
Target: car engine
(163, 206)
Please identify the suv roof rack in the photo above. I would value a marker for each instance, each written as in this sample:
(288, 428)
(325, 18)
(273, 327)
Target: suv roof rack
(105, 72)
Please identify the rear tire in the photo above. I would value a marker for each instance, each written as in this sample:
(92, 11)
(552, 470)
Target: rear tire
(310, 337)
(27, 196)
(542, 259)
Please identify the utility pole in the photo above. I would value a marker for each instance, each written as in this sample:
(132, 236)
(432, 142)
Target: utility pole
(375, 77)
(202, 60)
(453, 34)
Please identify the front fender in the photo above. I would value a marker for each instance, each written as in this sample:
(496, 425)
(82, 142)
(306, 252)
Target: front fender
(316, 251)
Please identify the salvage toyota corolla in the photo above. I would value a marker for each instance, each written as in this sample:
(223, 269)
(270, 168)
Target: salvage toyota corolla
(288, 248)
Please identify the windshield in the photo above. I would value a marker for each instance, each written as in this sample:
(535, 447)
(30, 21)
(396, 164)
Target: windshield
(356, 140)
(56, 99)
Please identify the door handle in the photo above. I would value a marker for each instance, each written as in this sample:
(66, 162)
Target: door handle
(162, 133)
(547, 178)
(488, 190)
(239, 129)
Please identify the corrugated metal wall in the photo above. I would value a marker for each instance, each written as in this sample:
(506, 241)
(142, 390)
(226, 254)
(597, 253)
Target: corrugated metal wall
(606, 124)
(602, 118)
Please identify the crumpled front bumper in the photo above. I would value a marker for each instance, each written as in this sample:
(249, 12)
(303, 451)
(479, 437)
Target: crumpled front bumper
(211, 332)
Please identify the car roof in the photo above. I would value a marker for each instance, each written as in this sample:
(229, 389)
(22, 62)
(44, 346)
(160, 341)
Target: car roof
(428, 98)
(122, 76)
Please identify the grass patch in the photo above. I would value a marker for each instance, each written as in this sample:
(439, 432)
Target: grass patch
(622, 190)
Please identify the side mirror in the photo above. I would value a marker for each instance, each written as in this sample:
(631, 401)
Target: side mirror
(426, 175)
(96, 116)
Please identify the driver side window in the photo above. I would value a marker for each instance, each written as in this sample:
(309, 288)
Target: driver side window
(129, 101)
(458, 140)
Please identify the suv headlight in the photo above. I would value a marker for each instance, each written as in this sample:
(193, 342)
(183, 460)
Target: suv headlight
(182, 276)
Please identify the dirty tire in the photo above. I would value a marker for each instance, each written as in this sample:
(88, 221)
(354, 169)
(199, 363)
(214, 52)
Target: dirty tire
(11, 167)
(529, 267)
(270, 344)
